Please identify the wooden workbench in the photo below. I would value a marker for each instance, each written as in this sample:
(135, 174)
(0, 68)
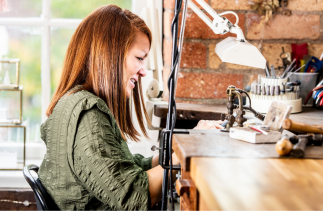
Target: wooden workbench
(196, 112)
(258, 184)
(188, 111)
(211, 181)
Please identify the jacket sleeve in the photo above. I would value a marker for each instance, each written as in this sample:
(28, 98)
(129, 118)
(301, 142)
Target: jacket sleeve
(144, 163)
(105, 166)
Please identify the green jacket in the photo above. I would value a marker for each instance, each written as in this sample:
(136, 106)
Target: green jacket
(88, 166)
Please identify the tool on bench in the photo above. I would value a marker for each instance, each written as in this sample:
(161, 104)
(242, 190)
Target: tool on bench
(258, 129)
(295, 89)
(233, 92)
(285, 56)
(304, 140)
(271, 124)
(300, 127)
(284, 146)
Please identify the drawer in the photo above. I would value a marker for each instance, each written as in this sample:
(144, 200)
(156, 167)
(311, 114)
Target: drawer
(11, 199)
(187, 191)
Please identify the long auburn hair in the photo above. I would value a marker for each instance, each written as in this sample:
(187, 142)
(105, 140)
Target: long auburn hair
(95, 59)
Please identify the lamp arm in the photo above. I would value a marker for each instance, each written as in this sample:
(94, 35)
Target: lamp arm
(238, 31)
(219, 25)
(201, 14)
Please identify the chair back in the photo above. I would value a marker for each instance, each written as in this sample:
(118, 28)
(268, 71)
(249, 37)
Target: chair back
(43, 200)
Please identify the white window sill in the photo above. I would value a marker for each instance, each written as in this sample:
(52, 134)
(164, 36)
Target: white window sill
(34, 155)
(15, 179)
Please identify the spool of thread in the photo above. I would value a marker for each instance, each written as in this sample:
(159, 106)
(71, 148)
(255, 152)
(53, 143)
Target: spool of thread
(263, 90)
(256, 89)
(277, 90)
(272, 90)
(268, 90)
(259, 89)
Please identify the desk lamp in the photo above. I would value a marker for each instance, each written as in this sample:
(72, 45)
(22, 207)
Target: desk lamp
(232, 50)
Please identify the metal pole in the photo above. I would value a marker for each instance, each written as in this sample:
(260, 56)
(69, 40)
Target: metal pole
(171, 115)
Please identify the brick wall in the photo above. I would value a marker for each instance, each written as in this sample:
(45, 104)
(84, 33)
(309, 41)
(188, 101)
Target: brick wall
(204, 78)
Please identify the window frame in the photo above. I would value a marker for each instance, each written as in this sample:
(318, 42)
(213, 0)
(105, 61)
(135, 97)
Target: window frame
(45, 22)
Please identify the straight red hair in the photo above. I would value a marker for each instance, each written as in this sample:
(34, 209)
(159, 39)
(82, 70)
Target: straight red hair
(95, 59)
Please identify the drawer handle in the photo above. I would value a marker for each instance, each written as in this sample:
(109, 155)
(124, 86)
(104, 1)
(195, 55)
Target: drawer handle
(183, 185)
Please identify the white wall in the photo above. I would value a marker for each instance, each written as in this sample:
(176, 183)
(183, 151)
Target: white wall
(143, 147)
(137, 6)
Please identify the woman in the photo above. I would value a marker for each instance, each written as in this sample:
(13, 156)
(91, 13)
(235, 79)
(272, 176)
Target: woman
(88, 164)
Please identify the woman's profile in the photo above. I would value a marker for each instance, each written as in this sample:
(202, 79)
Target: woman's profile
(88, 164)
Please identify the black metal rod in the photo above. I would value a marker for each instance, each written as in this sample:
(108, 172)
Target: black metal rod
(171, 115)
(164, 190)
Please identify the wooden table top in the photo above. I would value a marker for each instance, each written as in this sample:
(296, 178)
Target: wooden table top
(214, 143)
(259, 184)
(251, 183)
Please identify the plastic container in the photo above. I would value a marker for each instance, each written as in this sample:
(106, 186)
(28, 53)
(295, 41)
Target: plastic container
(308, 83)
(263, 106)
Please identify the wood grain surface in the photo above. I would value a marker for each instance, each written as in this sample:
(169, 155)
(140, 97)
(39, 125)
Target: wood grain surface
(189, 199)
(213, 143)
(8, 197)
(258, 184)
(310, 116)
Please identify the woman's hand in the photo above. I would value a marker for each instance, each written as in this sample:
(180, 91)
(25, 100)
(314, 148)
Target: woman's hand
(209, 124)
(155, 176)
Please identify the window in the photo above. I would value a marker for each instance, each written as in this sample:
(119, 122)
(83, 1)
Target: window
(38, 33)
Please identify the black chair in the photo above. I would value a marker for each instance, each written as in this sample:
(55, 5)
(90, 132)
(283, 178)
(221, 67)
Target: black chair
(43, 200)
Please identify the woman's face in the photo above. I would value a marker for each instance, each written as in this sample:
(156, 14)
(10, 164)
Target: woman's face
(135, 61)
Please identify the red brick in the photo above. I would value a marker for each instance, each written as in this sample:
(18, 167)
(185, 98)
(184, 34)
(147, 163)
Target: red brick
(206, 85)
(193, 55)
(170, 4)
(214, 59)
(271, 52)
(196, 28)
(308, 5)
(230, 4)
(284, 27)
(315, 49)
(252, 79)
(237, 66)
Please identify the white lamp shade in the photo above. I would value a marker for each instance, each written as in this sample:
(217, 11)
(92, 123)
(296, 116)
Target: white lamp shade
(243, 53)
